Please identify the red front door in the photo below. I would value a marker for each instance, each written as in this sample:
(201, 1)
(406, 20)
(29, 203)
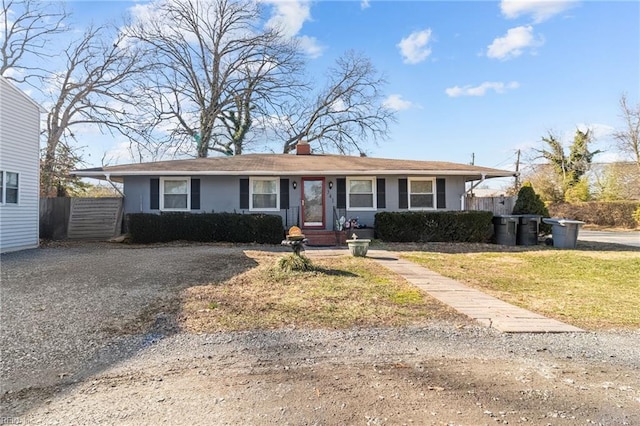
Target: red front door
(313, 203)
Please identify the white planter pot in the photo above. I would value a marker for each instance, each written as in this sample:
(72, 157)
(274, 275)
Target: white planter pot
(358, 248)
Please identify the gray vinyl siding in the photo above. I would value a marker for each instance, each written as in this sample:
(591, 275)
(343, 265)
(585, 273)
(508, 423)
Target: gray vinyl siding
(455, 187)
(19, 153)
(218, 194)
(221, 194)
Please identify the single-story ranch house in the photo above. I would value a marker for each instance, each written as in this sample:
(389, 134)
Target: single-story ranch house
(310, 190)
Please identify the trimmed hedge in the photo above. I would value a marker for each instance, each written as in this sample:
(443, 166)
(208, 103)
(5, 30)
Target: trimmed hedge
(420, 227)
(615, 214)
(206, 227)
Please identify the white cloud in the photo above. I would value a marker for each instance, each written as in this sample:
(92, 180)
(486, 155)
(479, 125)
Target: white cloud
(482, 89)
(289, 16)
(338, 105)
(396, 103)
(364, 4)
(153, 16)
(598, 131)
(513, 43)
(414, 48)
(310, 46)
(540, 10)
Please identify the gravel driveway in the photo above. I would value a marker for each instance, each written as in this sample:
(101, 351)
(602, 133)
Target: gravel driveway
(70, 311)
(89, 336)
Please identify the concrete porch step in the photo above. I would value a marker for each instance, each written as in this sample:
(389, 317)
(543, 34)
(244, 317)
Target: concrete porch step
(317, 237)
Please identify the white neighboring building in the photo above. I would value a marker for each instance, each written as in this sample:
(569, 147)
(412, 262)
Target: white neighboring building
(19, 169)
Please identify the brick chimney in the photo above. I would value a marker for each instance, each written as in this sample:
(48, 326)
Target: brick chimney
(303, 148)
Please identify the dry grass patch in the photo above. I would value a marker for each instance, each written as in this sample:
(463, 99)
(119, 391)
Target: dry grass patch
(592, 290)
(341, 292)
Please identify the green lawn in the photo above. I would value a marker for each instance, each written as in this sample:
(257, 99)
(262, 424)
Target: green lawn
(590, 289)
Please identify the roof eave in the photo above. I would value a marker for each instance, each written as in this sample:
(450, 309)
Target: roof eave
(468, 174)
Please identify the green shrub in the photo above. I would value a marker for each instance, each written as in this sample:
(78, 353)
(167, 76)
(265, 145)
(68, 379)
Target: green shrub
(528, 202)
(292, 262)
(636, 215)
(207, 227)
(578, 192)
(469, 226)
(615, 214)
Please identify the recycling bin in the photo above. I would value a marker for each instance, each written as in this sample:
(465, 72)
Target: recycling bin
(505, 228)
(564, 232)
(528, 229)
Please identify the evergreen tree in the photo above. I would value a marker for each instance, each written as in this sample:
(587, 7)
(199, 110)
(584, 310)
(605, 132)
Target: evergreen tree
(529, 202)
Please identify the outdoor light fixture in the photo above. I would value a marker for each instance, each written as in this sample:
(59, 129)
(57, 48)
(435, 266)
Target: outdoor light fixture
(295, 184)
(330, 184)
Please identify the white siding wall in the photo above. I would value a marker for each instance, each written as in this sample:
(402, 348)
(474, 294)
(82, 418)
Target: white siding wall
(19, 153)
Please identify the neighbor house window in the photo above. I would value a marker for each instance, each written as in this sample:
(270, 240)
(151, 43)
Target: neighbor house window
(175, 193)
(421, 194)
(264, 194)
(9, 187)
(361, 193)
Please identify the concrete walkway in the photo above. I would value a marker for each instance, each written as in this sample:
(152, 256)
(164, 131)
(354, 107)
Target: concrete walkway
(485, 309)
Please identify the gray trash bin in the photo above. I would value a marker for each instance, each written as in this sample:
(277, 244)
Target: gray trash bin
(505, 228)
(528, 229)
(564, 232)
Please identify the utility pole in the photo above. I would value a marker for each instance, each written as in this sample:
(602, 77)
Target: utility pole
(473, 160)
(517, 183)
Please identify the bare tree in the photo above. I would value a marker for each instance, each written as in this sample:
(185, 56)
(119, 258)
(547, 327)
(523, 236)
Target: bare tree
(345, 114)
(629, 138)
(90, 91)
(214, 69)
(26, 31)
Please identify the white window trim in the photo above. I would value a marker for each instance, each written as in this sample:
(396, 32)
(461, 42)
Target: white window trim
(373, 188)
(433, 193)
(268, 209)
(3, 190)
(172, 178)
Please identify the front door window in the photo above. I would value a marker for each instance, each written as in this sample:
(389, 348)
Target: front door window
(313, 202)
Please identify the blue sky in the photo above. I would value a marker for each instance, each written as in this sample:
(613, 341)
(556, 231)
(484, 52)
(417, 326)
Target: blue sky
(482, 77)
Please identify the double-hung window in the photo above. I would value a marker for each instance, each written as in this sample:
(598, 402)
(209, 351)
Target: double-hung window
(361, 193)
(264, 193)
(175, 193)
(422, 194)
(9, 187)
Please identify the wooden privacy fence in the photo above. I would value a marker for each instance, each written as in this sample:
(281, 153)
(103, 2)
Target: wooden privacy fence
(497, 205)
(54, 217)
(80, 218)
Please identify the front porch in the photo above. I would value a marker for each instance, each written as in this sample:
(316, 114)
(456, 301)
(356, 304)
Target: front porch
(320, 237)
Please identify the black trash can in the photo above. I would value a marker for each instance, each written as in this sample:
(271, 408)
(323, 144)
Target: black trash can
(505, 228)
(528, 229)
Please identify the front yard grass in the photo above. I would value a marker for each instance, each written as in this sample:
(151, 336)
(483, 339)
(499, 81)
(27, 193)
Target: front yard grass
(589, 289)
(342, 292)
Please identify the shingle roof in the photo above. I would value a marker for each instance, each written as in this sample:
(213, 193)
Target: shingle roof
(290, 164)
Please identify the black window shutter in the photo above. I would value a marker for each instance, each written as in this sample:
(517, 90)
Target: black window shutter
(284, 193)
(341, 191)
(441, 193)
(195, 194)
(154, 191)
(403, 196)
(244, 193)
(381, 195)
